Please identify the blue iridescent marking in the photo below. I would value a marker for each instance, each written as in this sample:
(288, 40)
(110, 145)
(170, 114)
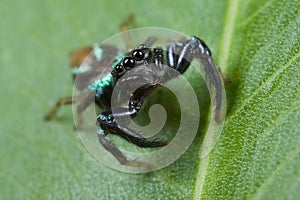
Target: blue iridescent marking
(97, 52)
(99, 92)
(117, 61)
(102, 117)
(100, 132)
(107, 80)
(100, 83)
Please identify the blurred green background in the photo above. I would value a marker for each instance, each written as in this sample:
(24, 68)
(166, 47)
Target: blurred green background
(256, 43)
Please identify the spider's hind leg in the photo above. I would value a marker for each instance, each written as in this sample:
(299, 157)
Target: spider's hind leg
(62, 102)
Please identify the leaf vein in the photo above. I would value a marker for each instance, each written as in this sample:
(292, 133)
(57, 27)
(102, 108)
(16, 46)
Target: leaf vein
(228, 29)
(227, 34)
(267, 82)
(256, 13)
(290, 156)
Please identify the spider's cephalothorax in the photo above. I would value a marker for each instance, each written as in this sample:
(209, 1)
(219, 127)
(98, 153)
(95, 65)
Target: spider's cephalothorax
(178, 56)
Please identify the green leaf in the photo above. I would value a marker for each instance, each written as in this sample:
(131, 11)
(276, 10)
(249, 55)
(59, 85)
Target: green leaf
(256, 43)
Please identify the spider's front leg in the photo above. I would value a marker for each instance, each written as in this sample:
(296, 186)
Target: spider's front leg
(111, 147)
(107, 124)
(181, 54)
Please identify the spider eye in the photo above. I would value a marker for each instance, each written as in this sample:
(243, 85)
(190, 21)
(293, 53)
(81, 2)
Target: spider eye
(138, 54)
(119, 68)
(128, 62)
